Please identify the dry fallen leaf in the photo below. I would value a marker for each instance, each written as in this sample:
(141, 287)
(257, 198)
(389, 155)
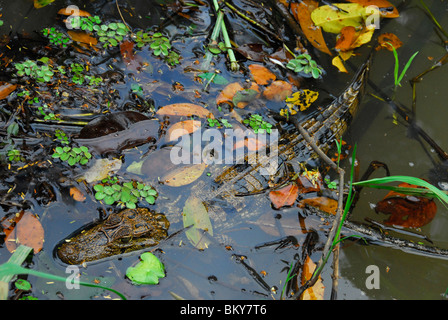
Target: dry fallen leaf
(324, 204)
(24, 229)
(337, 62)
(285, 196)
(77, 195)
(83, 37)
(185, 109)
(71, 12)
(182, 128)
(389, 10)
(302, 12)
(386, 38)
(407, 211)
(182, 175)
(278, 90)
(6, 89)
(232, 89)
(261, 75)
(316, 292)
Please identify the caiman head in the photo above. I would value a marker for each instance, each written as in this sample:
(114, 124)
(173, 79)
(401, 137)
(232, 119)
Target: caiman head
(126, 231)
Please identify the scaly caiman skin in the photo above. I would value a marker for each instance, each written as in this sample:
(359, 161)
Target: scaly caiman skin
(325, 128)
(126, 231)
(131, 230)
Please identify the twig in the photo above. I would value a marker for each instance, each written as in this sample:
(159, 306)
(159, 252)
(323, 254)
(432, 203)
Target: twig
(337, 220)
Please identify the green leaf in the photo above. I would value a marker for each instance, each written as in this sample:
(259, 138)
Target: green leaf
(109, 200)
(22, 284)
(98, 187)
(150, 199)
(100, 195)
(148, 271)
(195, 216)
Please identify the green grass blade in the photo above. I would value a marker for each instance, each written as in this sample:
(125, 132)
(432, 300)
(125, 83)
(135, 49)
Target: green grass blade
(406, 67)
(378, 183)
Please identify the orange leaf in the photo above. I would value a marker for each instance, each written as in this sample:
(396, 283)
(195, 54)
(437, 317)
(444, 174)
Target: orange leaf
(77, 195)
(346, 38)
(278, 90)
(382, 4)
(185, 109)
(25, 229)
(324, 204)
(71, 12)
(316, 292)
(391, 38)
(285, 196)
(407, 211)
(261, 75)
(302, 12)
(83, 37)
(132, 61)
(227, 94)
(182, 128)
(6, 89)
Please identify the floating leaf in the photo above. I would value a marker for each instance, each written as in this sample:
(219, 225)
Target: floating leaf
(83, 37)
(324, 204)
(41, 3)
(101, 169)
(285, 196)
(76, 194)
(183, 175)
(213, 77)
(148, 271)
(386, 38)
(389, 11)
(6, 89)
(278, 90)
(407, 211)
(316, 292)
(71, 12)
(350, 38)
(229, 92)
(195, 216)
(338, 63)
(333, 20)
(24, 229)
(302, 12)
(182, 128)
(261, 75)
(185, 109)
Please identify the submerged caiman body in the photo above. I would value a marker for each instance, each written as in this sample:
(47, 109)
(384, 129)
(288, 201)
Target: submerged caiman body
(131, 230)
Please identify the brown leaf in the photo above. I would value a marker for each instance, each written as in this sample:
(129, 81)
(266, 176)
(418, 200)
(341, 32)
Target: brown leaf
(285, 196)
(83, 37)
(77, 195)
(71, 12)
(24, 229)
(183, 127)
(227, 94)
(382, 4)
(185, 109)
(261, 75)
(278, 90)
(407, 211)
(132, 61)
(324, 204)
(6, 89)
(302, 12)
(388, 37)
(316, 292)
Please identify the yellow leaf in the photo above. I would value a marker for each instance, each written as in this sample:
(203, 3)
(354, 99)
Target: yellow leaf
(333, 20)
(337, 62)
(316, 292)
(182, 175)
